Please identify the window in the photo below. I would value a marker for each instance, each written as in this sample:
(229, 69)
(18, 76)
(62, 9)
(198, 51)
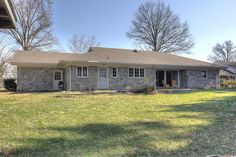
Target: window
(114, 72)
(82, 71)
(79, 71)
(131, 72)
(85, 71)
(204, 74)
(141, 72)
(136, 72)
(57, 75)
(103, 73)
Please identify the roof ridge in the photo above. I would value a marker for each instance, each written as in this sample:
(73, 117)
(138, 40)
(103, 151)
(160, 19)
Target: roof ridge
(111, 48)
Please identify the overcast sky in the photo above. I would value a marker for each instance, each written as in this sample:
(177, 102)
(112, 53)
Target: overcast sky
(210, 21)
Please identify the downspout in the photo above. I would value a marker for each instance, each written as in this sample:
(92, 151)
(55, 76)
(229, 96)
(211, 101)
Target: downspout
(70, 78)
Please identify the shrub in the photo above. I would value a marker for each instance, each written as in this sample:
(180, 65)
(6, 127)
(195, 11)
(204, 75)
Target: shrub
(128, 88)
(10, 84)
(146, 89)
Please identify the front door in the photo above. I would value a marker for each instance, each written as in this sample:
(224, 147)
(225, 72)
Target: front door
(57, 77)
(102, 78)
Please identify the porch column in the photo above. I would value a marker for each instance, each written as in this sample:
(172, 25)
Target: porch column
(178, 79)
(165, 77)
(70, 79)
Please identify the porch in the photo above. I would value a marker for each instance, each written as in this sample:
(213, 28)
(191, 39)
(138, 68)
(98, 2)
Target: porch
(168, 79)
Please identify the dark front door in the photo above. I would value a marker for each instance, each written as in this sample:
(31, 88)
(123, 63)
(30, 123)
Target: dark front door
(159, 78)
(169, 78)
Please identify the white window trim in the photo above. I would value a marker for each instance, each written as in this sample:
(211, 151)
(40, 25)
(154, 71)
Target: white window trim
(82, 72)
(206, 74)
(61, 71)
(144, 74)
(116, 72)
(134, 72)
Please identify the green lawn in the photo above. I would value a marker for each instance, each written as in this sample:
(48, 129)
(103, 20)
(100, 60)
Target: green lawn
(181, 124)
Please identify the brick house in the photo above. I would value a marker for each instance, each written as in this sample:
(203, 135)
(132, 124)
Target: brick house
(110, 68)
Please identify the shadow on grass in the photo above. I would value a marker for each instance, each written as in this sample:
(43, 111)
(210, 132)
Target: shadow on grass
(145, 138)
(189, 91)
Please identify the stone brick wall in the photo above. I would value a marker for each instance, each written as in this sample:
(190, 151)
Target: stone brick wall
(34, 79)
(183, 79)
(118, 83)
(196, 81)
(84, 83)
(41, 79)
(123, 79)
(66, 78)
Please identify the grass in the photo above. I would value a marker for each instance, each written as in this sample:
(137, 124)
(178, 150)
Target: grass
(190, 123)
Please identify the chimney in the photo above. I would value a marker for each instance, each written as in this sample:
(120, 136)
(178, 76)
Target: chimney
(135, 50)
(90, 49)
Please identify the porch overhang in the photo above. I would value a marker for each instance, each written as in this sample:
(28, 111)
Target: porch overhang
(65, 63)
(157, 66)
(7, 15)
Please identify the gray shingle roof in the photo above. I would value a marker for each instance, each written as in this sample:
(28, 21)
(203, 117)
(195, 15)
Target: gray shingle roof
(109, 55)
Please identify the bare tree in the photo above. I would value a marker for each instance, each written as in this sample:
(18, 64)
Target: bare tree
(4, 57)
(157, 28)
(225, 52)
(34, 22)
(82, 44)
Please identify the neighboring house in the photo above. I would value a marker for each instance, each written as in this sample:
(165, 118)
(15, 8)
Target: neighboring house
(7, 15)
(107, 68)
(229, 71)
(227, 75)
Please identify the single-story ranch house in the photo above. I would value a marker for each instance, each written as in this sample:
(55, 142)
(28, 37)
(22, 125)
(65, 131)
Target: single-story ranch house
(109, 68)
